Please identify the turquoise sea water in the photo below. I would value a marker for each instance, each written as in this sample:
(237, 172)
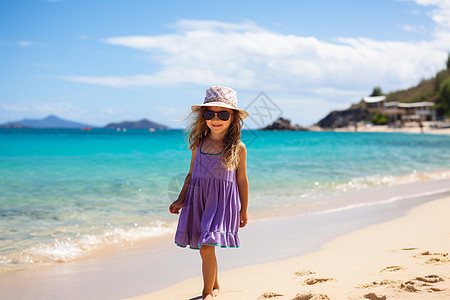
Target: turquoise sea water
(65, 193)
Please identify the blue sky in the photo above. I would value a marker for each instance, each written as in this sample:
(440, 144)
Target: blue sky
(106, 61)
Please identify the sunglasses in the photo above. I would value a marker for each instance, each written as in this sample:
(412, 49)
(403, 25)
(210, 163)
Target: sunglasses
(223, 115)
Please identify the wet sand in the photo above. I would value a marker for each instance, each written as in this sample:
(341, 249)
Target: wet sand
(406, 258)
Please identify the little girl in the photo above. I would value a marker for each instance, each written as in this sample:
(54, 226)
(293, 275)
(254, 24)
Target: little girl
(214, 197)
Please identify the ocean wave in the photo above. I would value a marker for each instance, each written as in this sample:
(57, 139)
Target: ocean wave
(359, 183)
(380, 202)
(68, 249)
(323, 198)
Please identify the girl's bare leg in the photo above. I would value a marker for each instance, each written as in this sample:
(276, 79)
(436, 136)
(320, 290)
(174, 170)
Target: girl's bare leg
(209, 270)
(216, 287)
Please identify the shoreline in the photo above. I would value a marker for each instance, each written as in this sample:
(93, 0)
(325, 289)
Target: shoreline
(151, 265)
(404, 258)
(392, 189)
(409, 128)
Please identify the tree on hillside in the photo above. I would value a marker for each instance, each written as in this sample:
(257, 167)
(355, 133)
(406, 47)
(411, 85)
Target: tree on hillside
(376, 92)
(448, 61)
(444, 98)
(440, 78)
(380, 119)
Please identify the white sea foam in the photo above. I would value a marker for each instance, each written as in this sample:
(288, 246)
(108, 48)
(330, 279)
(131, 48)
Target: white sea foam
(69, 249)
(360, 183)
(380, 202)
(358, 192)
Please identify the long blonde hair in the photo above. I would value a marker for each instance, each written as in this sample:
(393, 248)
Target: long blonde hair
(197, 130)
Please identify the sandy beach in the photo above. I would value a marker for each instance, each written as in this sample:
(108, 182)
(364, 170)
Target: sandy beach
(405, 258)
(408, 128)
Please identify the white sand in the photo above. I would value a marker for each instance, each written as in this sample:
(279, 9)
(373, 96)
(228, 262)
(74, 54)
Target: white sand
(401, 259)
(410, 128)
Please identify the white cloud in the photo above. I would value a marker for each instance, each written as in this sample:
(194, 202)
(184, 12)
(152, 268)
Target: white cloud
(205, 25)
(440, 14)
(246, 56)
(410, 28)
(407, 28)
(108, 111)
(20, 43)
(26, 43)
(57, 108)
(289, 67)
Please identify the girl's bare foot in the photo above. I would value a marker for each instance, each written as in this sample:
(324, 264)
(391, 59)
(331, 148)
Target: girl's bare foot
(207, 296)
(216, 291)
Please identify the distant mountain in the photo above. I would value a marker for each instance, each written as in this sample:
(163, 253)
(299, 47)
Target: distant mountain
(48, 122)
(141, 124)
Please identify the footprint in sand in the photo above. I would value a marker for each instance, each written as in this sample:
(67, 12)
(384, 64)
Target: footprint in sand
(373, 296)
(408, 249)
(269, 295)
(392, 269)
(311, 297)
(313, 280)
(304, 273)
(434, 260)
(409, 287)
(430, 279)
(436, 257)
(430, 253)
(384, 282)
(417, 283)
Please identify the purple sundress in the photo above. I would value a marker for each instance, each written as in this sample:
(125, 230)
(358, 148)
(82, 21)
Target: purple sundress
(210, 213)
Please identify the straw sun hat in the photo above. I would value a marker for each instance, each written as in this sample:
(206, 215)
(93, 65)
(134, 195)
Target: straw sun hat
(223, 97)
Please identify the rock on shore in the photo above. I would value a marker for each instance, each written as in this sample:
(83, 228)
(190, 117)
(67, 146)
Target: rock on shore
(343, 118)
(284, 124)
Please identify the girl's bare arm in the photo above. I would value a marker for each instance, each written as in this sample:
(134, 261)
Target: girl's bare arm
(178, 204)
(242, 182)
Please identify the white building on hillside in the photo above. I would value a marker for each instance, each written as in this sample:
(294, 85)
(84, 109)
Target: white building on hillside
(375, 102)
(397, 111)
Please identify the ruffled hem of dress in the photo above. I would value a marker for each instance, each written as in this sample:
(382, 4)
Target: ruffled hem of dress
(216, 238)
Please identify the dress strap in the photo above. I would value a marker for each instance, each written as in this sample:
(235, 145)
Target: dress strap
(199, 146)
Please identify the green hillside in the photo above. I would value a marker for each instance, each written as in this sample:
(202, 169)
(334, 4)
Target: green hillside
(427, 90)
(435, 89)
